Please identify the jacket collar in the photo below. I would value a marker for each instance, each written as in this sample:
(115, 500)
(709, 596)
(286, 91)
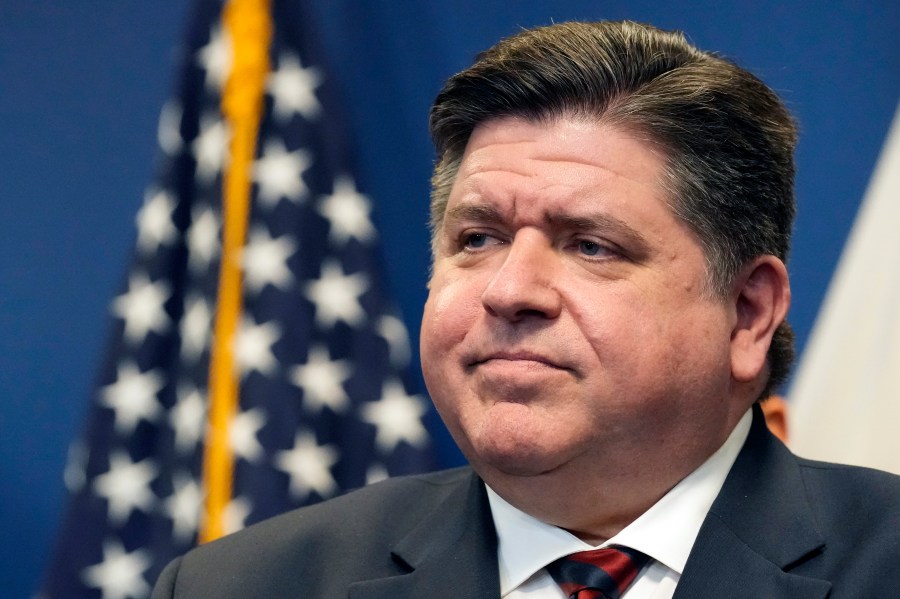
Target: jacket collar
(450, 553)
(760, 526)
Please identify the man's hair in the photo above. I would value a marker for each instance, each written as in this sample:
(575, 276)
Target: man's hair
(727, 138)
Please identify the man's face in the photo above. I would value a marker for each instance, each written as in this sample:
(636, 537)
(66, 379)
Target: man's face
(567, 328)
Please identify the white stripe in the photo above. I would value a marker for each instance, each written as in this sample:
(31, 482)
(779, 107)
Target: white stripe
(845, 400)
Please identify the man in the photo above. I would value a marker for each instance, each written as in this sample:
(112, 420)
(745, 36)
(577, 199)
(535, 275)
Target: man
(611, 215)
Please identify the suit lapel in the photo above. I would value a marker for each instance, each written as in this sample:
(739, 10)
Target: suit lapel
(723, 565)
(451, 553)
(757, 530)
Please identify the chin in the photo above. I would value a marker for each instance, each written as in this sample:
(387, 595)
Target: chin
(517, 440)
(517, 456)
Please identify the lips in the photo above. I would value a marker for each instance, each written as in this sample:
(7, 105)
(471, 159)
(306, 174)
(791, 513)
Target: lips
(522, 357)
(518, 377)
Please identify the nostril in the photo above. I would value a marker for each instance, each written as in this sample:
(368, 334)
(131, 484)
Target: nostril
(544, 304)
(522, 287)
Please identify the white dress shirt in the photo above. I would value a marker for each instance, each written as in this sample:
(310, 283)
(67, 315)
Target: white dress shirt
(666, 532)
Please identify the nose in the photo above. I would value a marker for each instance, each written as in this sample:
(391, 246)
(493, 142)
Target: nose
(524, 284)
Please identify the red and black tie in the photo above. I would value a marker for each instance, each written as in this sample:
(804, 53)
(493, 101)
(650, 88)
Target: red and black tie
(598, 574)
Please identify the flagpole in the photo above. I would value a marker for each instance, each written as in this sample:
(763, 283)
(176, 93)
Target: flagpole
(248, 25)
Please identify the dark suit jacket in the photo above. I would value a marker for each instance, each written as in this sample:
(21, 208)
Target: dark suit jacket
(782, 527)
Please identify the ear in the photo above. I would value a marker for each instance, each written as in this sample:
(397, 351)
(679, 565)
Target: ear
(761, 295)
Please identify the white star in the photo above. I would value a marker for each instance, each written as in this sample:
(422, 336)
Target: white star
(183, 506)
(216, 58)
(141, 307)
(279, 174)
(120, 575)
(132, 396)
(242, 434)
(74, 474)
(211, 148)
(188, 419)
(202, 239)
(336, 295)
(322, 379)
(294, 89)
(394, 332)
(397, 417)
(126, 486)
(236, 513)
(168, 132)
(253, 347)
(195, 327)
(308, 466)
(348, 212)
(265, 260)
(154, 222)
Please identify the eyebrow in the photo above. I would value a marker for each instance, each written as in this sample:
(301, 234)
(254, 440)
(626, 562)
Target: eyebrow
(478, 212)
(633, 240)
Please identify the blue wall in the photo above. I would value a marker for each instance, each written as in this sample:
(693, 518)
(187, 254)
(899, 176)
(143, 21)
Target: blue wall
(81, 85)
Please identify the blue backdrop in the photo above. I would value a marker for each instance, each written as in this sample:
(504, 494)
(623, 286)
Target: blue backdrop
(81, 85)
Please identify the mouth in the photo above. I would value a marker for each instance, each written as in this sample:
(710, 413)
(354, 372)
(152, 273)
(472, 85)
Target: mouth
(518, 377)
(520, 358)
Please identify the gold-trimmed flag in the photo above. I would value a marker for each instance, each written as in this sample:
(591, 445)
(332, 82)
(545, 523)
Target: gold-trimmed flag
(251, 376)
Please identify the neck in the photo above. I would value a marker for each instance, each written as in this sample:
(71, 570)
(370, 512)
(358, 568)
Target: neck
(593, 498)
(594, 514)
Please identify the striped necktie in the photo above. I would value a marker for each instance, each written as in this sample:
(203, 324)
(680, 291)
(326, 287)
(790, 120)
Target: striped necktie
(598, 574)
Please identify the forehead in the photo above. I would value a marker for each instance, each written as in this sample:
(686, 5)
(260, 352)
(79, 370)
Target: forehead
(561, 163)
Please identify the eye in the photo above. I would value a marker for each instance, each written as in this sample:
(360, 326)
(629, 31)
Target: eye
(595, 249)
(590, 248)
(475, 240)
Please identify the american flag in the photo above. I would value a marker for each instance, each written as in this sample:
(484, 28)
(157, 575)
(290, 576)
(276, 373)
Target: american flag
(325, 402)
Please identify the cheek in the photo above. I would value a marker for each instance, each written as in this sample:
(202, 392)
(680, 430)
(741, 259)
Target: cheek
(613, 323)
(450, 314)
(450, 311)
(653, 338)
(687, 350)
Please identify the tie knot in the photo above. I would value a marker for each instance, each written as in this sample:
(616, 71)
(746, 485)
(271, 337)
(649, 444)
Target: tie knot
(599, 573)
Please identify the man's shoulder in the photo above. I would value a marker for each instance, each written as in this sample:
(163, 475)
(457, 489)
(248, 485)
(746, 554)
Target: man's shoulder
(791, 527)
(364, 515)
(353, 534)
(404, 495)
(861, 494)
(388, 502)
(788, 485)
(857, 513)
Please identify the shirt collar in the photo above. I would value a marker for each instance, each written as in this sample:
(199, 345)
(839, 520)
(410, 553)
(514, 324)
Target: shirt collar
(666, 532)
